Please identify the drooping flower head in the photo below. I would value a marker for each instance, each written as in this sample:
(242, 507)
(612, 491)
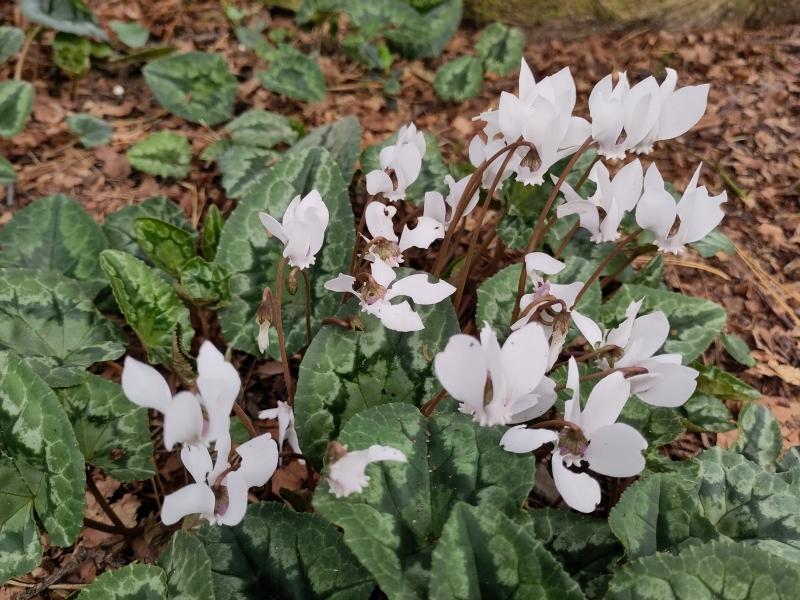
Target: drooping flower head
(347, 470)
(442, 208)
(607, 109)
(401, 164)
(302, 230)
(286, 430)
(385, 245)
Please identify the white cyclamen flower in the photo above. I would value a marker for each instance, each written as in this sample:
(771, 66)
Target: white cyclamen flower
(699, 213)
(385, 245)
(498, 385)
(219, 495)
(442, 208)
(538, 264)
(188, 418)
(607, 109)
(302, 229)
(286, 430)
(667, 382)
(542, 115)
(654, 113)
(481, 151)
(401, 164)
(348, 474)
(377, 291)
(609, 448)
(614, 197)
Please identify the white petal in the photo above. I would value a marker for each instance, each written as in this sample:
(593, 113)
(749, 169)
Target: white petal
(621, 335)
(197, 460)
(579, 490)
(397, 317)
(378, 217)
(193, 499)
(535, 404)
(259, 460)
(566, 292)
(522, 440)
(347, 475)
(341, 283)
(542, 263)
(236, 487)
(183, 420)
(426, 232)
(666, 383)
(435, 207)
(461, 369)
(494, 362)
(382, 273)
(144, 386)
(682, 111)
(648, 334)
(525, 356)
(656, 209)
(605, 402)
(588, 328)
(616, 450)
(572, 407)
(378, 182)
(217, 380)
(222, 448)
(272, 225)
(420, 290)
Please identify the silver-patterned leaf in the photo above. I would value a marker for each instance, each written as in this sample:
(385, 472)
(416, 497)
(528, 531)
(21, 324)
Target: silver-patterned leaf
(16, 102)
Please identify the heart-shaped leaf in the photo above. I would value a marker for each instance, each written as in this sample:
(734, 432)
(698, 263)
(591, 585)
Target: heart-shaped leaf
(196, 86)
(92, 131)
(500, 48)
(16, 102)
(459, 79)
(393, 524)
(204, 283)
(760, 437)
(70, 16)
(707, 413)
(51, 322)
(242, 167)
(252, 257)
(55, 234)
(10, 42)
(341, 138)
(738, 349)
(716, 382)
(294, 75)
(187, 568)
(133, 582)
(165, 154)
(119, 225)
(168, 246)
(345, 372)
(261, 128)
(694, 322)
(19, 536)
(72, 53)
(133, 35)
(714, 242)
(293, 555)
(112, 432)
(150, 305)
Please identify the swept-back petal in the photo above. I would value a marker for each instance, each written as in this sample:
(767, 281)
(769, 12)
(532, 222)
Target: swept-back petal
(234, 512)
(144, 386)
(272, 226)
(588, 328)
(461, 369)
(193, 499)
(684, 108)
(397, 317)
(525, 356)
(259, 460)
(197, 460)
(183, 420)
(616, 450)
(426, 232)
(420, 290)
(579, 490)
(522, 440)
(605, 402)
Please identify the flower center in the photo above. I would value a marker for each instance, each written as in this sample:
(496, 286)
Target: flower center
(370, 291)
(572, 441)
(221, 500)
(386, 250)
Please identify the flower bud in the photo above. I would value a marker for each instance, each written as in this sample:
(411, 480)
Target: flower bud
(264, 318)
(291, 281)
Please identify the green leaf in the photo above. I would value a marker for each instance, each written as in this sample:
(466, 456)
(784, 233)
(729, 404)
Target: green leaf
(252, 257)
(133, 582)
(243, 167)
(421, 34)
(92, 131)
(719, 571)
(484, 554)
(261, 128)
(707, 413)
(188, 568)
(119, 224)
(714, 242)
(658, 513)
(20, 547)
(165, 154)
(7, 173)
(749, 504)
(345, 372)
(212, 229)
(658, 424)
(55, 234)
(16, 102)
(694, 322)
(196, 86)
(716, 382)
(760, 437)
(168, 246)
(113, 433)
(284, 554)
(393, 524)
(294, 75)
(133, 35)
(204, 283)
(10, 42)
(36, 437)
(738, 349)
(459, 79)
(500, 48)
(71, 54)
(52, 323)
(496, 298)
(70, 16)
(431, 177)
(150, 305)
(341, 138)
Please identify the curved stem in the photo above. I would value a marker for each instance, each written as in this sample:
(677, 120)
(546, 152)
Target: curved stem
(246, 421)
(616, 251)
(626, 372)
(307, 281)
(287, 375)
(430, 405)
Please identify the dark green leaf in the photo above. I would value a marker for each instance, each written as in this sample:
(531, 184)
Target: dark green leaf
(261, 128)
(204, 283)
(484, 554)
(459, 80)
(212, 229)
(165, 154)
(652, 274)
(16, 102)
(112, 432)
(55, 234)
(71, 53)
(36, 437)
(92, 131)
(341, 138)
(716, 382)
(133, 582)
(168, 246)
(196, 86)
(150, 305)
(187, 568)
(7, 173)
(20, 548)
(707, 413)
(496, 298)
(760, 437)
(70, 16)
(295, 75)
(52, 323)
(133, 35)
(277, 552)
(421, 34)
(242, 167)
(345, 372)
(252, 257)
(714, 242)
(10, 42)
(658, 424)
(500, 48)
(694, 322)
(738, 349)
